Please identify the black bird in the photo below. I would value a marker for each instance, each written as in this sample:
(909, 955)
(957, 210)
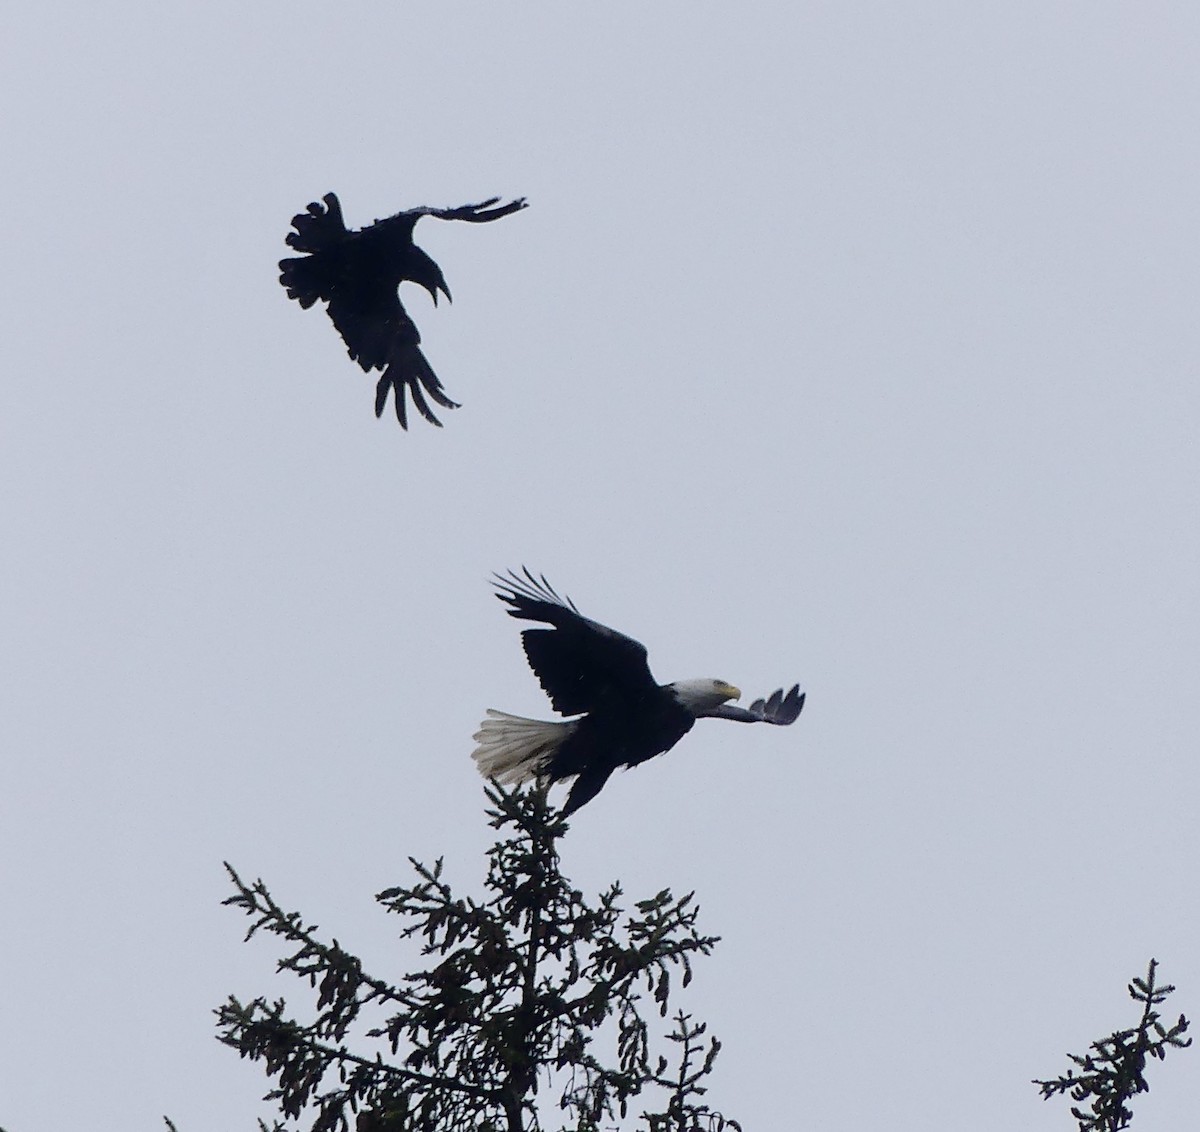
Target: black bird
(358, 273)
(601, 676)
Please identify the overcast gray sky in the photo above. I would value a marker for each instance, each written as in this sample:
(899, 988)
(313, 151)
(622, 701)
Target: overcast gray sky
(853, 344)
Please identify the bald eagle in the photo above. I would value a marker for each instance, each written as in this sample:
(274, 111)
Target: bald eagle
(600, 675)
(358, 274)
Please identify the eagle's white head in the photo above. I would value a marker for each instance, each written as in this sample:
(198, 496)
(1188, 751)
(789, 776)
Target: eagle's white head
(701, 696)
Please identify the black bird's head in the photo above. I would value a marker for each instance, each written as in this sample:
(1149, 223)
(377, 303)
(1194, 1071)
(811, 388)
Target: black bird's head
(423, 271)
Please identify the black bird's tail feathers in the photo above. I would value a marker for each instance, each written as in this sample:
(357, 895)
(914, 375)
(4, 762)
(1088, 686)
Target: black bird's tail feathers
(305, 279)
(318, 229)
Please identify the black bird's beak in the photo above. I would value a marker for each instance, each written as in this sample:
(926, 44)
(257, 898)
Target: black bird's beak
(433, 290)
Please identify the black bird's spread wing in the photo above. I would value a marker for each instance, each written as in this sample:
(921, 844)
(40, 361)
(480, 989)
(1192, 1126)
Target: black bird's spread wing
(407, 367)
(777, 708)
(380, 335)
(578, 662)
(480, 213)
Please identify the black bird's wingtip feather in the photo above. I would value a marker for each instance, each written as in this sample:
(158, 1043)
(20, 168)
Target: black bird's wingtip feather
(412, 383)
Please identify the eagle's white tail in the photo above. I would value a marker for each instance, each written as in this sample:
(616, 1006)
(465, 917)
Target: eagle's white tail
(513, 749)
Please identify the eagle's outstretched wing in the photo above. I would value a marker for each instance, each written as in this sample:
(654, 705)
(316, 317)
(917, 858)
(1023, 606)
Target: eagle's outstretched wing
(579, 662)
(777, 708)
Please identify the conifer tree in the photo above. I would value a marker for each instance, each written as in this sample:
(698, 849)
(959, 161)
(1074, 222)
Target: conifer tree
(1115, 1071)
(534, 1008)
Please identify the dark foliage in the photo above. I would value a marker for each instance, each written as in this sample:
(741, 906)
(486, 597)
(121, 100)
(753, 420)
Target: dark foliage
(533, 989)
(1115, 1071)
